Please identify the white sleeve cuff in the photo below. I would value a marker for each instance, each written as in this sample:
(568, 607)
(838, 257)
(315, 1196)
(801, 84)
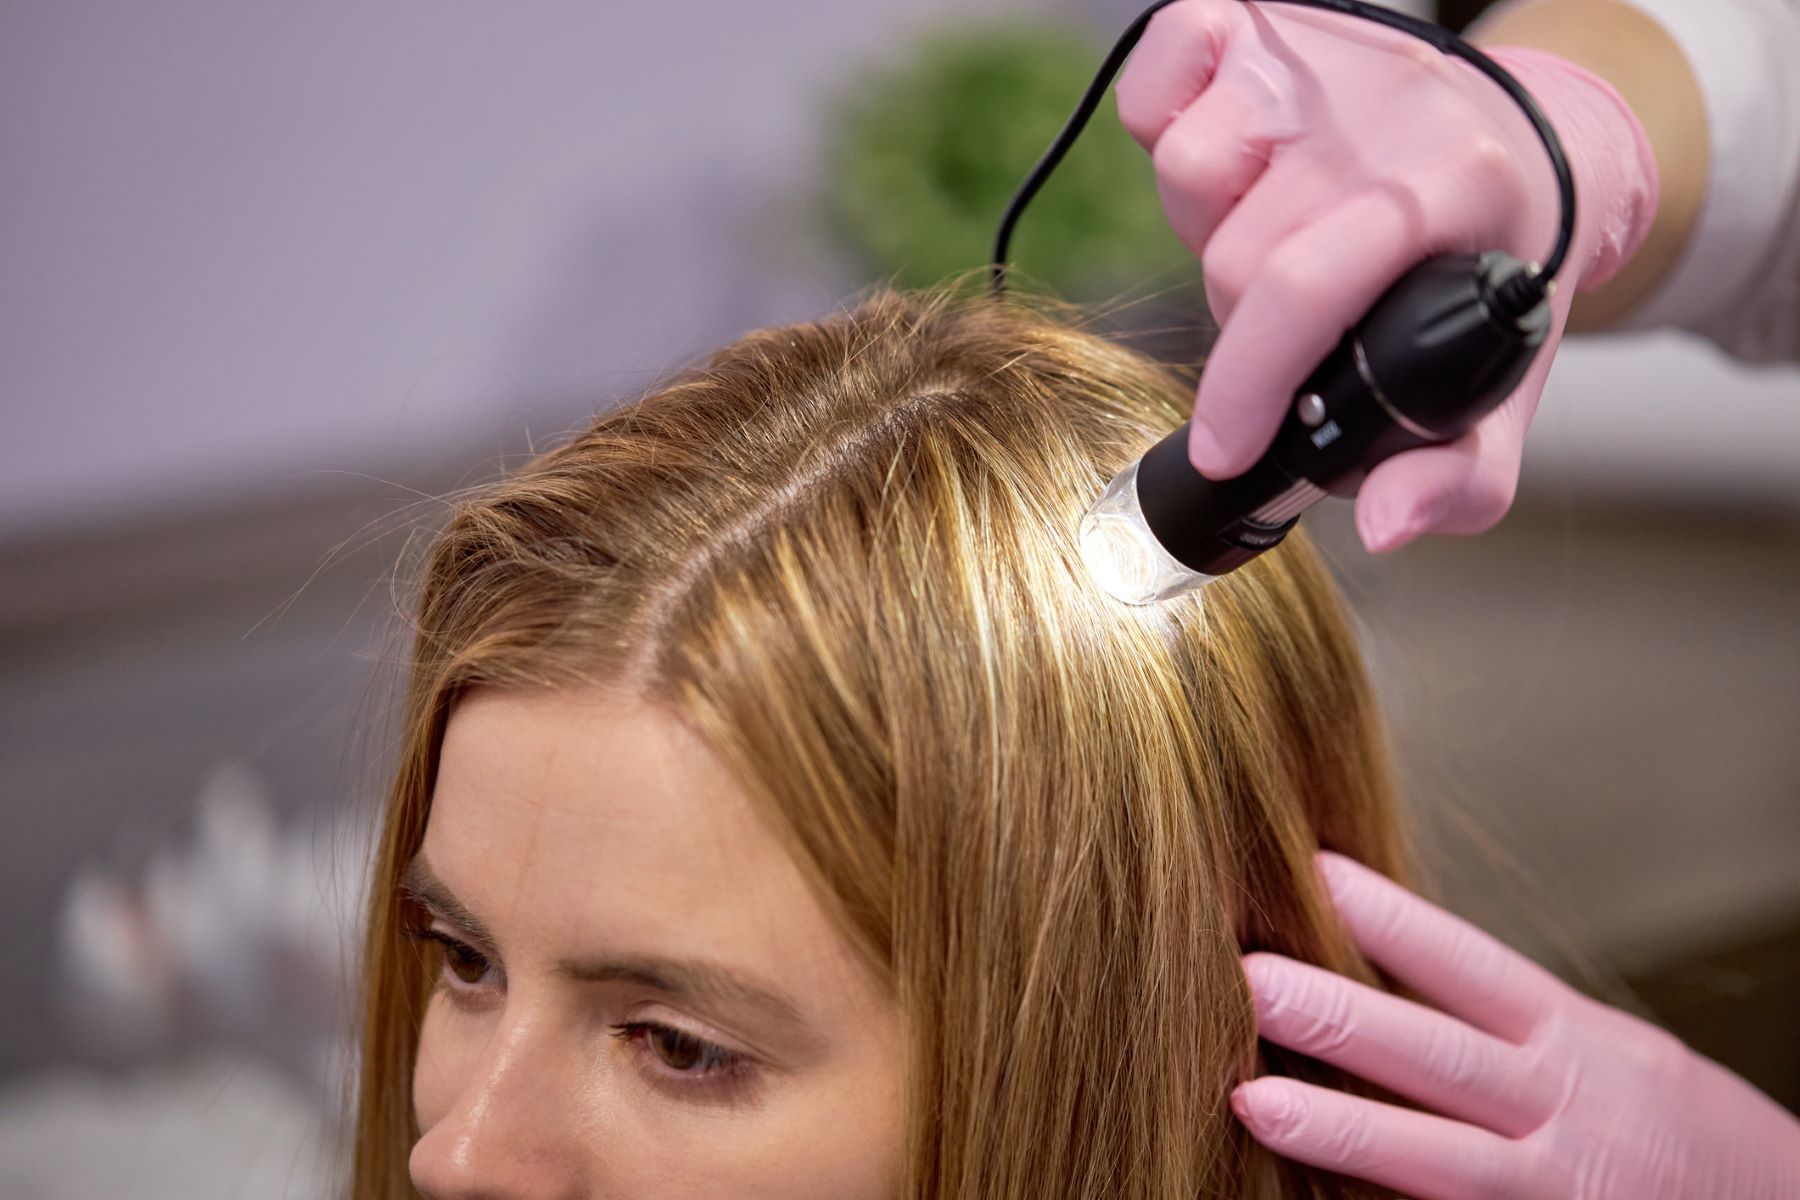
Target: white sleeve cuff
(1745, 55)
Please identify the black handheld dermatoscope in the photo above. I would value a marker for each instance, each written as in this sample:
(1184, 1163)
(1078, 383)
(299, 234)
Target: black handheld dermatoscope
(1438, 351)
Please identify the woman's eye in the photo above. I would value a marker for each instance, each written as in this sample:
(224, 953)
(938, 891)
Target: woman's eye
(461, 963)
(680, 1051)
(465, 964)
(677, 1049)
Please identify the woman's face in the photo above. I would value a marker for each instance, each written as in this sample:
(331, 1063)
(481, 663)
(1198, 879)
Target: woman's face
(637, 995)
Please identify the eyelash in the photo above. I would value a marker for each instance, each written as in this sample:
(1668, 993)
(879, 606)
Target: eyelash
(721, 1067)
(453, 950)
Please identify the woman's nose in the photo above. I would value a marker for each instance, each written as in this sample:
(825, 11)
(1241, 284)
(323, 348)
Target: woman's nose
(512, 1130)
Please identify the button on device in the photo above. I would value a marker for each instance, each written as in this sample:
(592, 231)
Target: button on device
(1310, 408)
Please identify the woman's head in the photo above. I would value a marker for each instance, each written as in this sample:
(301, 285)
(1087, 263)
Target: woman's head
(822, 830)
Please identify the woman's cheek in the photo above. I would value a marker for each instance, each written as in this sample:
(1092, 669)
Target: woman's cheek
(449, 1047)
(798, 1153)
(849, 1133)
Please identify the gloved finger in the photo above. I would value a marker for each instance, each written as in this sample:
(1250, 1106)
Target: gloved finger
(1206, 160)
(1450, 962)
(1174, 62)
(1414, 1153)
(1462, 487)
(1404, 1047)
(1293, 192)
(1320, 281)
(1310, 289)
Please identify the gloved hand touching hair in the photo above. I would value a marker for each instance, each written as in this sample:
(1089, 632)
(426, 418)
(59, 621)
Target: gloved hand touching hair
(1535, 1091)
(1310, 159)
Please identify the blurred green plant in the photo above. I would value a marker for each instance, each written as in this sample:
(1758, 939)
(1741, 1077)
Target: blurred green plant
(927, 149)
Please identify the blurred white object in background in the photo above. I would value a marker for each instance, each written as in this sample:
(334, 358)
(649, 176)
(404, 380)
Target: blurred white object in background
(212, 981)
(218, 904)
(118, 986)
(242, 936)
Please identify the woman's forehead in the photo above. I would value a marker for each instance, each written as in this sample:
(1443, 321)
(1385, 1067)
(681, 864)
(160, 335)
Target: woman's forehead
(556, 795)
(592, 766)
(578, 826)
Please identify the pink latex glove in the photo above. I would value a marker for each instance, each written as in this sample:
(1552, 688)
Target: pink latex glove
(1544, 1092)
(1310, 159)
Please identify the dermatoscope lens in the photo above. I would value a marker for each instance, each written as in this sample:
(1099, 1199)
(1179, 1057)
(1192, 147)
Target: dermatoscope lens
(1123, 555)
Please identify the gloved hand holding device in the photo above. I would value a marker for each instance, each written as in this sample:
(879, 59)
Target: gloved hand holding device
(1545, 1094)
(1310, 159)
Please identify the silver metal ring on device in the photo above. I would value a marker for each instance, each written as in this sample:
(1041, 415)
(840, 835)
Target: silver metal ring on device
(1368, 376)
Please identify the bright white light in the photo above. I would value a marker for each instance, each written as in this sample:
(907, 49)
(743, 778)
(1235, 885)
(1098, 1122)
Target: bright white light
(1117, 559)
(1121, 553)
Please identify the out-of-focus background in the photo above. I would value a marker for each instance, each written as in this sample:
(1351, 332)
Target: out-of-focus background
(277, 276)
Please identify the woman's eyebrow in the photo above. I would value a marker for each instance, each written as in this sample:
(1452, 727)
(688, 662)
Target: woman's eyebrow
(421, 883)
(693, 979)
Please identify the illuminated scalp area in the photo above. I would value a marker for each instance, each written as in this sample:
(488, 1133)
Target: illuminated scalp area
(1123, 555)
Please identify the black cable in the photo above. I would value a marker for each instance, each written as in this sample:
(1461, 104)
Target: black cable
(1518, 295)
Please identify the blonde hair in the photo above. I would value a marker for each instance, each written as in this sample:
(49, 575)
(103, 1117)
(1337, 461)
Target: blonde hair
(843, 552)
